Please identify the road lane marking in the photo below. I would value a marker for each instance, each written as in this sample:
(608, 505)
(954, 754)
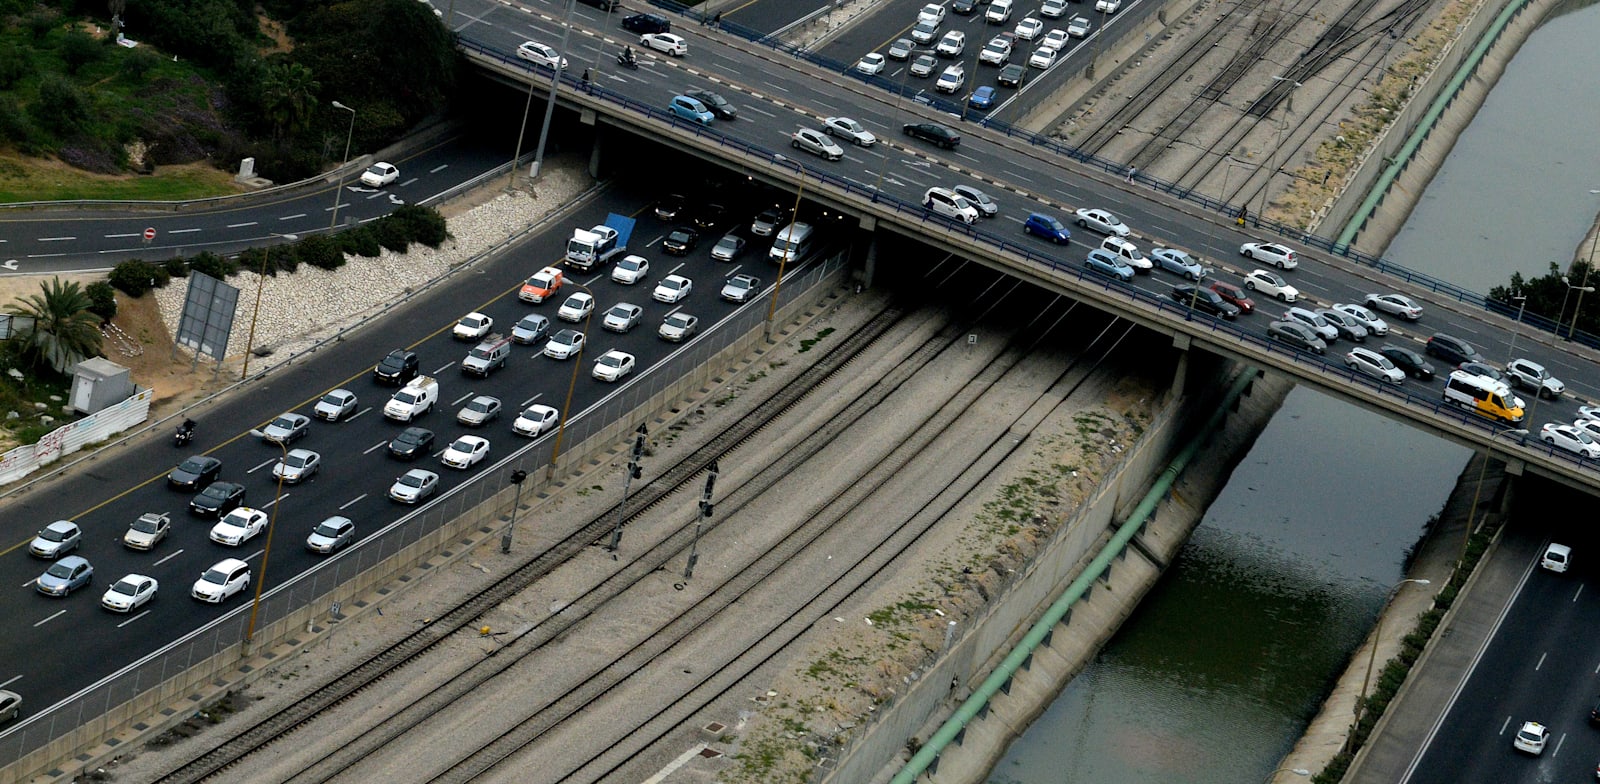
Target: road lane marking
(292, 217)
(241, 225)
(50, 618)
(352, 502)
(56, 239)
(441, 167)
(168, 558)
(357, 415)
(270, 504)
(374, 447)
(262, 465)
(530, 400)
(134, 618)
(183, 231)
(459, 399)
(121, 236)
(443, 368)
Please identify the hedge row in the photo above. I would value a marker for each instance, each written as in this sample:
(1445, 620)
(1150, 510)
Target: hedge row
(395, 231)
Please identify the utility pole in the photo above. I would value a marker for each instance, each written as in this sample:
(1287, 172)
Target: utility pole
(634, 472)
(705, 514)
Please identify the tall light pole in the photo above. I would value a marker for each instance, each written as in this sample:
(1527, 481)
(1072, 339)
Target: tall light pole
(705, 514)
(1272, 168)
(337, 192)
(1588, 264)
(550, 101)
(899, 101)
(1472, 511)
(1372, 658)
(1516, 327)
(516, 506)
(266, 552)
(577, 363)
(635, 471)
(788, 248)
(250, 341)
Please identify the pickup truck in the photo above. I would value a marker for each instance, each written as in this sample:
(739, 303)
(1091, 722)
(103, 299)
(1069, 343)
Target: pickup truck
(598, 245)
(487, 356)
(413, 400)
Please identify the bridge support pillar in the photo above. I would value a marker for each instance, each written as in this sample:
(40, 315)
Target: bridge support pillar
(869, 263)
(594, 150)
(1180, 371)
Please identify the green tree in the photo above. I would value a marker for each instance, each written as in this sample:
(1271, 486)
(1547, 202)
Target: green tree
(64, 330)
(61, 106)
(79, 49)
(288, 95)
(15, 65)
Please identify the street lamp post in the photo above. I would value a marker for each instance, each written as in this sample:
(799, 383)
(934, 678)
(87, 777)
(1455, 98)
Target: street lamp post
(577, 363)
(1472, 511)
(1516, 326)
(634, 472)
(550, 101)
(1583, 289)
(1372, 658)
(1562, 315)
(250, 341)
(338, 191)
(1283, 125)
(788, 247)
(266, 552)
(899, 100)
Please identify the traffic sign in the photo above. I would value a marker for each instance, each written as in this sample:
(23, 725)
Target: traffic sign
(149, 234)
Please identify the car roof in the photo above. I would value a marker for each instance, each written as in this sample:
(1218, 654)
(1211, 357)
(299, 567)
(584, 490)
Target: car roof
(73, 560)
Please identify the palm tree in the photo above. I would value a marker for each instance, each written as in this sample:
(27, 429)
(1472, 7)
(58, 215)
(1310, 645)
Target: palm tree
(288, 94)
(64, 331)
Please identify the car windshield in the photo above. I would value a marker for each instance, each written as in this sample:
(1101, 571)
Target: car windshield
(126, 586)
(575, 301)
(283, 422)
(298, 461)
(479, 405)
(192, 465)
(628, 265)
(378, 171)
(52, 535)
(327, 529)
(216, 576)
(333, 399)
(678, 320)
(678, 236)
(405, 396)
(530, 322)
(462, 445)
(145, 525)
(59, 569)
(215, 492)
(610, 360)
(409, 437)
(411, 480)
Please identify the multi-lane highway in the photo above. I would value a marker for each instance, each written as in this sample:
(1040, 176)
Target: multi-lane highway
(357, 469)
(775, 95)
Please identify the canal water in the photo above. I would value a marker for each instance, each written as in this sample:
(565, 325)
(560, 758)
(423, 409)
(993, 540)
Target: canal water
(1216, 675)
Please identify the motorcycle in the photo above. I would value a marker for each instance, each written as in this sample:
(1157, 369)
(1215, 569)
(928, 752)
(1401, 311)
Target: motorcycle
(627, 60)
(184, 435)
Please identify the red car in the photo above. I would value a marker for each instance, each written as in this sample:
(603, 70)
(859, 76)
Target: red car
(1235, 296)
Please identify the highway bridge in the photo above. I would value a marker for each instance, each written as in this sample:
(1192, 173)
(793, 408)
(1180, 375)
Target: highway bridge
(881, 186)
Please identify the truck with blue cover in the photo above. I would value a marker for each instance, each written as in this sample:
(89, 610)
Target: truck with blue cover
(599, 245)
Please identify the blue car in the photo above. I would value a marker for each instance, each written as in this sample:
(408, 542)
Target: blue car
(1107, 263)
(64, 576)
(982, 98)
(1041, 225)
(691, 109)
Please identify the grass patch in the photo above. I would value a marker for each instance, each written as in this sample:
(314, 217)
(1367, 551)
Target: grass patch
(23, 179)
(805, 345)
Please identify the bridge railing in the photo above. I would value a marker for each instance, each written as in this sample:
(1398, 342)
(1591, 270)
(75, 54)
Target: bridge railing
(955, 108)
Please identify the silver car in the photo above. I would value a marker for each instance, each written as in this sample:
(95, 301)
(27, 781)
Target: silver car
(622, 317)
(1178, 263)
(479, 410)
(286, 429)
(331, 534)
(56, 539)
(817, 143)
(336, 405)
(297, 466)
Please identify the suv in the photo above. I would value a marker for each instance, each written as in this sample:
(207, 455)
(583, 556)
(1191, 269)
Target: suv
(1203, 300)
(943, 201)
(1527, 374)
(647, 23)
(398, 368)
(933, 132)
(1452, 350)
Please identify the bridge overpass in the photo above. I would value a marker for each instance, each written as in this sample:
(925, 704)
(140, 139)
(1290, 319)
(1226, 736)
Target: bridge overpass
(881, 187)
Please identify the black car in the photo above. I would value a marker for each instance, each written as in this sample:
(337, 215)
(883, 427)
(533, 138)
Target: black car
(670, 206)
(934, 132)
(604, 5)
(398, 368)
(1452, 350)
(1482, 369)
(709, 215)
(412, 443)
(964, 7)
(718, 105)
(218, 499)
(194, 473)
(1012, 75)
(1203, 300)
(681, 241)
(1409, 361)
(647, 23)
(1298, 335)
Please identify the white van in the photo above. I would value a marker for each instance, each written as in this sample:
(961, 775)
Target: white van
(1483, 395)
(793, 243)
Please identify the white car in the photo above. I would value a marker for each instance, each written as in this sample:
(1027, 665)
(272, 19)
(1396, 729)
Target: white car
(1107, 6)
(1271, 285)
(1395, 305)
(951, 80)
(946, 202)
(846, 128)
(465, 452)
(224, 579)
(379, 174)
(986, 206)
(1374, 364)
(996, 52)
(672, 288)
(1042, 58)
(543, 54)
(413, 486)
(1571, 439)
(472, 326)
(1557, 557)
(932, 13)
(1376, 327)
(1078, 27)
(1055, 39)
(1101, 221)
(613, 365)
(952, 44)
(678, 327)
(871, 64)
(817, 143)
(924, 33)
(1128, 252)
(622, 317)
(1531, 738)
(999, 12)
(564, 344)
(666, 43)
(1589, 426)
(1270, 253)
(536, 420)
(1313, 321)
(1053, 9)
(630, 270)
(297, 466)
(239, 526)
(335, 406)
(130, 593)
(1029, 29)
(576, 308)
